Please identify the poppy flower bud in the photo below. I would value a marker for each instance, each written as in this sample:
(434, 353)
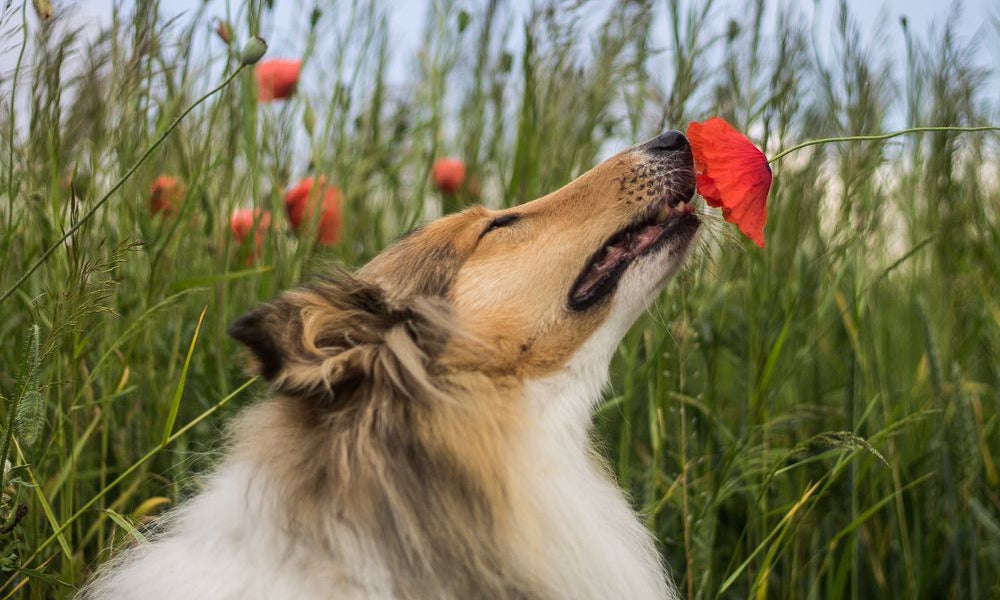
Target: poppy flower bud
(244, 221)
(448, 174)
(253, 50)
(165, 195)
(463, 20)
(309, 119)
(43, 8)
(224, 31)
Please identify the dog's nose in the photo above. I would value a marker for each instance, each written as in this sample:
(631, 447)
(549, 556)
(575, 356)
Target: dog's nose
(669, 141)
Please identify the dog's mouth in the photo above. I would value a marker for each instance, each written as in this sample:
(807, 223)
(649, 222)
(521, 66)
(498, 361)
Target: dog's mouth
(671, 220)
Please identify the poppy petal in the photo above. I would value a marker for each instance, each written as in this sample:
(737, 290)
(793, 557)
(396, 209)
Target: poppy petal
(277, 79)
(732, 174)
(299, 199)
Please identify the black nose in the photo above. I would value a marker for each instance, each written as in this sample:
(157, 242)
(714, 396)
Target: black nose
(669, 141)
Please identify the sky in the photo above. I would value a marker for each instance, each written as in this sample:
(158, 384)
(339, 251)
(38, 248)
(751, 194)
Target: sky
(978, 19)
(407, 15)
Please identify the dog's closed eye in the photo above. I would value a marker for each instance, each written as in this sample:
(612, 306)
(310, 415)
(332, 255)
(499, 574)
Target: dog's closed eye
(497, 223)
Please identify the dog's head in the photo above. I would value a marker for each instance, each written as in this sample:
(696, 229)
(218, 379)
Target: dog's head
(398, 388)
(510, 293)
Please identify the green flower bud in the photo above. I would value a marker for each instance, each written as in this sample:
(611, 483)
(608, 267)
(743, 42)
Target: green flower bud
(43, 8)
(309, 119)
(253, 50)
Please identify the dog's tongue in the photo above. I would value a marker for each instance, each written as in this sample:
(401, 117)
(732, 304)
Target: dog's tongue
(615, 255)
(645, 238)
(627, 249)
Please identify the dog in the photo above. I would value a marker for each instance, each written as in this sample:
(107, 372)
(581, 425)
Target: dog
(427, 431)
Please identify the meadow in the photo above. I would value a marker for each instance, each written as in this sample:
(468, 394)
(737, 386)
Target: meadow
(818, 419)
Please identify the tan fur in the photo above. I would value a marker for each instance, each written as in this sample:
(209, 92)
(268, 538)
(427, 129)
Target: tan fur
(398, 405)
(368, 425)
(501, 286)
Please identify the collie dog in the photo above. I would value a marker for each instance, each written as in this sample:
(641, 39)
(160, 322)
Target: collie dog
(426, 434)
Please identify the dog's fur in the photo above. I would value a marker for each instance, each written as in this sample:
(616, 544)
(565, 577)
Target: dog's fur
(427, 436)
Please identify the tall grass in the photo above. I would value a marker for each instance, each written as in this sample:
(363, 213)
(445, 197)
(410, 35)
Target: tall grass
(815, 420)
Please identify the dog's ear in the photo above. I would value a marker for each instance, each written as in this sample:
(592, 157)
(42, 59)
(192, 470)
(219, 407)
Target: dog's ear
(257, 332)
(340, 333)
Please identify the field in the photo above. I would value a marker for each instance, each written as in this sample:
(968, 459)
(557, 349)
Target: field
(818, 419)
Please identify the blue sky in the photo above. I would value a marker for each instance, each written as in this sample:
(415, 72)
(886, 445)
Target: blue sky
(407, 16)
(977, 19)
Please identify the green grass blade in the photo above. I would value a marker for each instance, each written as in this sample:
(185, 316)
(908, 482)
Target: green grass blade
(207, 280)
(175, 402)
(46, 506)
(123, 522)
(126, 473)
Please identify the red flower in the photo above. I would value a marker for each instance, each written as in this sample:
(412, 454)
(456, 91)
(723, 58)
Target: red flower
(300, 198)
(165, 195)
(223, 31)
(277, 78)
(243, 222)
(448, 174)
(732, 174)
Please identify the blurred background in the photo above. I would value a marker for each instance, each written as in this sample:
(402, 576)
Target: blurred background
(818, 419)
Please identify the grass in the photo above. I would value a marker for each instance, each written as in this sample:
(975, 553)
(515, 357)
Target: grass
(815, 420)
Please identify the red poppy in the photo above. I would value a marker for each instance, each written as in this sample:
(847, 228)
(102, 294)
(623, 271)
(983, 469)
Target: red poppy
(244, 220)
(448, 174)
(277, 78)
(300, 197)
(223, 31)
(732, 174)
(165, 195)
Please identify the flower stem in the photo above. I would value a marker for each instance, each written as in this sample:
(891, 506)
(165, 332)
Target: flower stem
(12, 124)
(875, 138)
(118, 184)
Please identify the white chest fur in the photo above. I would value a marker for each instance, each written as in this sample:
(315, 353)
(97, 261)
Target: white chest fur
(581, 540)
(594, 545)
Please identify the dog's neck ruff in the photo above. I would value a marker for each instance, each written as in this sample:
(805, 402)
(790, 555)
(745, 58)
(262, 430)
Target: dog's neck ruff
(597, 547)
(575, 536)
